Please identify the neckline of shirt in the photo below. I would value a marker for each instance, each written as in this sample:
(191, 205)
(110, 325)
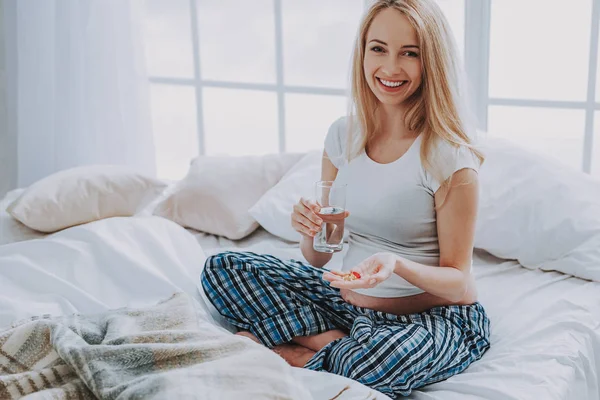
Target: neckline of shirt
(396, 161)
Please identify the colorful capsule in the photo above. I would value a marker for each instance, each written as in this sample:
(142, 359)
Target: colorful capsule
(351, 276)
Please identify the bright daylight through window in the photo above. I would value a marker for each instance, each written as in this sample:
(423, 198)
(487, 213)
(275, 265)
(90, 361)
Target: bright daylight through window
(239, 77)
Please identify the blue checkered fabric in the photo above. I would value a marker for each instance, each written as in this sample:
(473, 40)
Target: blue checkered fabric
(278, 300)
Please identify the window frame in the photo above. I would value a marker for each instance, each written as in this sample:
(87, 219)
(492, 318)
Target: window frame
(477, 47)
(477, 56)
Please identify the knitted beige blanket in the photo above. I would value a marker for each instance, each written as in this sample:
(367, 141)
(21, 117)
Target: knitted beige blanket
(166, 351)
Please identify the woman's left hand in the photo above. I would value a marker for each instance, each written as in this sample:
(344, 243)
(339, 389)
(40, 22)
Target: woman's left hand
(370, 273)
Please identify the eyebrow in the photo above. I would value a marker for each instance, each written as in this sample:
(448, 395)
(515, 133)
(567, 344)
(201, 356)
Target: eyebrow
(403, 47)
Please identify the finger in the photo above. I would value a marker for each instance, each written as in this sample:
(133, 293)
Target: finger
(301, 208)
(346, 214)
(328, 276)
(308, 212)
(306, 222)
(311, 205)
(303, 229)
(338, 273)
(357, 284)
(332, 276)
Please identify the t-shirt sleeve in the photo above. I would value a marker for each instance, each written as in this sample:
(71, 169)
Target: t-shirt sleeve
(449, 159)
(335, 142)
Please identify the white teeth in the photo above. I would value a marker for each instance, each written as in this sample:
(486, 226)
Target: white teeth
(391, 84)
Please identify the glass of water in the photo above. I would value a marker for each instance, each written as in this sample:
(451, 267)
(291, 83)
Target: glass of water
(331, 197)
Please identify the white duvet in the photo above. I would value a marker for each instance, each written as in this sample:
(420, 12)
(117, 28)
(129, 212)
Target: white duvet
(114, 263)
(545, 325)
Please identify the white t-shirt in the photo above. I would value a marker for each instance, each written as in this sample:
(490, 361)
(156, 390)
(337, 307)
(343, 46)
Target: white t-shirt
(392, 206)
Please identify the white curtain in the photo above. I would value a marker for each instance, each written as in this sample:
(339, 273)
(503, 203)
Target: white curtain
(78, 84)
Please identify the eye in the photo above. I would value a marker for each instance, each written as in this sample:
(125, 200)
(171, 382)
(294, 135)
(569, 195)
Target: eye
(377, 49)
(410, 54)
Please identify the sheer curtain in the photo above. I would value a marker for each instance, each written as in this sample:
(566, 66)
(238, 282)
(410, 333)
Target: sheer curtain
(77, 85)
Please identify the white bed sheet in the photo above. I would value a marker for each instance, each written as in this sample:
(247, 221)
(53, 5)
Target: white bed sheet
(545, 325)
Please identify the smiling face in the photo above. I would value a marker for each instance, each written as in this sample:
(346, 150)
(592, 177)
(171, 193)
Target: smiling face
(392, 60)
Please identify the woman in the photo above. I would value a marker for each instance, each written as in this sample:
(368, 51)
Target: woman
(410, 169)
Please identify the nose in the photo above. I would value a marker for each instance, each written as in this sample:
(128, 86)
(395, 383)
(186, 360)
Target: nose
(392, 66)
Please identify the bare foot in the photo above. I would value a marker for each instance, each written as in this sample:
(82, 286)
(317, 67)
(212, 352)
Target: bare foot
(295, 355)
(248, 335)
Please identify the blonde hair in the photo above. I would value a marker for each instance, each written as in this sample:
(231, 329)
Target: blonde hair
(437, 109)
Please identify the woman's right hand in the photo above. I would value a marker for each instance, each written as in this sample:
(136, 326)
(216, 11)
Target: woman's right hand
(305, 219)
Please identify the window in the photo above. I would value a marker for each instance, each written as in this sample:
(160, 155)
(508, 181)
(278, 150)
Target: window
(239, 77)
(541, 94)
(254, 77)
(250, 77)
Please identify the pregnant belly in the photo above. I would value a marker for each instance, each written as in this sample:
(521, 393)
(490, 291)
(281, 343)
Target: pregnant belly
(395, 305)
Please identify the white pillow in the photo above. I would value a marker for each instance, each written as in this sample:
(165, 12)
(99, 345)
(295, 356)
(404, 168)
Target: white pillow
(81, 195)
(539, 212)
(11, 230)
(217, 192)
(274, 209)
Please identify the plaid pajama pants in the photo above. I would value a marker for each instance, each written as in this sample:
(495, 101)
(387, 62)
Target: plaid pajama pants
(277, 300)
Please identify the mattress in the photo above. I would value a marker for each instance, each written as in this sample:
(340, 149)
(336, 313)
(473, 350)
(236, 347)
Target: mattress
(545, 341)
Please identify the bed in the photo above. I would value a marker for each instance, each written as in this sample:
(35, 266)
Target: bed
(545, 329)
(545, 325)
